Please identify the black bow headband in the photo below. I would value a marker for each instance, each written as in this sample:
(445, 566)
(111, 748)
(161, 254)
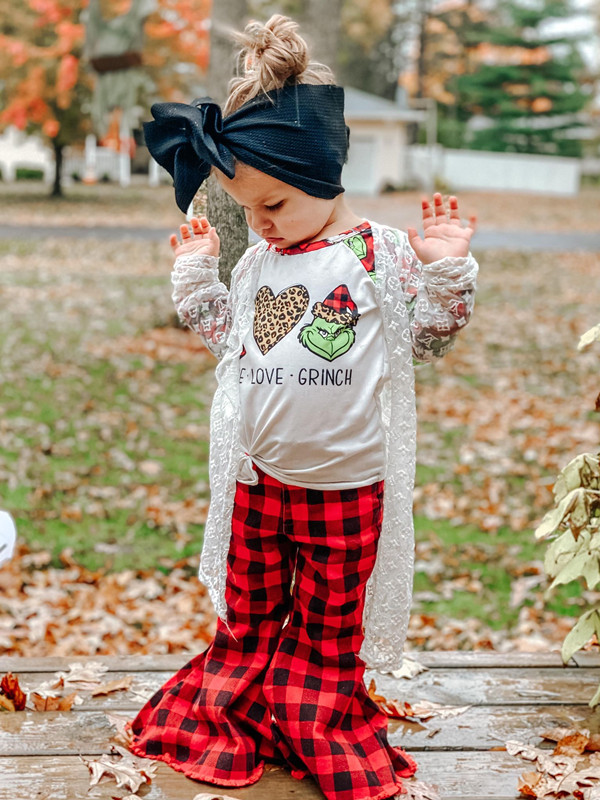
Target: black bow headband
(296, 134)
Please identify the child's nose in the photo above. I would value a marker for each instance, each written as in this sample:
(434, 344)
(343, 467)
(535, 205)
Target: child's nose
(259, 221)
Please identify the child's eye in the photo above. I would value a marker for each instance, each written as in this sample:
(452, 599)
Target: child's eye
(274, 207)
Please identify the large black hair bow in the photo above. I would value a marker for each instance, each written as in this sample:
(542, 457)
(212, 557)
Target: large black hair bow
(187, 141)
(296, 134)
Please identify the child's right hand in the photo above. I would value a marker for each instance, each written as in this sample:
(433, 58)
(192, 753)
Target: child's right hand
(202, 239)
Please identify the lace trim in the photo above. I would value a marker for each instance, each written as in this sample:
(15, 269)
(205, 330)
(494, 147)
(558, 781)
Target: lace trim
(420, 306)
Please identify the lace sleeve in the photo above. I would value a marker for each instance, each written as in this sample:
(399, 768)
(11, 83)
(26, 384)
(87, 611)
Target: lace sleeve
(202, 300)
(439, 297)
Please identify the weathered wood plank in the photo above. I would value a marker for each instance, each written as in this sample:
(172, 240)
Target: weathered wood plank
(439, 660)
(130, 663)
(479, 728)
(490, 687)
(459, 776)
(483, 686)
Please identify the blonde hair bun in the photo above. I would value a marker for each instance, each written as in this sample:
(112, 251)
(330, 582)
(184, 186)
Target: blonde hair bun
(273, 55)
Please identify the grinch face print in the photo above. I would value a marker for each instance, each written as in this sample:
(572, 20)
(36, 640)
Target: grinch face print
(331, 333)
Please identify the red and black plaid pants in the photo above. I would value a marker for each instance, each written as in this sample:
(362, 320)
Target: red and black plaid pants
(282, 681)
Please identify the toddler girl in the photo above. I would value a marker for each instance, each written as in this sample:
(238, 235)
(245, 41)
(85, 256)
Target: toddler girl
(308, 550)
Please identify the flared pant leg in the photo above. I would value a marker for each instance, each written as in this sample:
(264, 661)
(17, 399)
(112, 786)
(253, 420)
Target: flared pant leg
(210, 720)
(314, 683)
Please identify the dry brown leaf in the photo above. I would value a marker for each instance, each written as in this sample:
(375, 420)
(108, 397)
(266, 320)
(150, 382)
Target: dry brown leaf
(530, 784)
(51, 703)
(11, 693)
(113, 686)
(573, 744)
(84, 676)
(124, 734)
(525, 751)
(425, 709)
(409, 669)
(418, 790)
(129, 772)
(422, 710)
(6, 704)
(592, 742)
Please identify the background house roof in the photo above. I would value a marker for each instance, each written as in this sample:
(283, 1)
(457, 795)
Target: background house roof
(361, 105)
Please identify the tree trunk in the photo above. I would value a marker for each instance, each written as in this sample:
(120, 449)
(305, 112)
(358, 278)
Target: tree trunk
(322, 25)
(421, 65)
(58, 165)
(226, 216)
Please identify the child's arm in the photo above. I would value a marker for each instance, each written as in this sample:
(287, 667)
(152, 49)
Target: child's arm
(438, 274)
(201, 300)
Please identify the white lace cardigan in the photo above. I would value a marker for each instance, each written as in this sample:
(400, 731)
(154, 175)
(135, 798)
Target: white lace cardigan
(423, 308)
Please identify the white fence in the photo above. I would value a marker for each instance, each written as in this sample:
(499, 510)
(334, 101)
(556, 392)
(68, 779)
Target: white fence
(510, 172)
(17, 150)
(458, 169)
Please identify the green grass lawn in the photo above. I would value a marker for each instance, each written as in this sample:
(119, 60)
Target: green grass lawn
(102, 450)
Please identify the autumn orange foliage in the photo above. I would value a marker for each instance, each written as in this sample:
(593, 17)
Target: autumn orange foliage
(49, 84)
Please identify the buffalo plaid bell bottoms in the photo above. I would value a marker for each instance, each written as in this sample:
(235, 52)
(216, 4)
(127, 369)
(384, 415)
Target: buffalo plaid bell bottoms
(282, 681)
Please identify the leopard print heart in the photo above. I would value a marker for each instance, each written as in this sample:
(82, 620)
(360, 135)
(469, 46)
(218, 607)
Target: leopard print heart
(275, 316)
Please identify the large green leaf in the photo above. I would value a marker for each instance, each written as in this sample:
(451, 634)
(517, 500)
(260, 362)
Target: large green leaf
(591, 571)
(580, 634)
(562, 547)
(555, 516)
(580, 513)
(584, 470)
(572, 570)
(595, 699)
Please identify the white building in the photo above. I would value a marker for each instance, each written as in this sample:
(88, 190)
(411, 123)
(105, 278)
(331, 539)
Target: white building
(378, 155)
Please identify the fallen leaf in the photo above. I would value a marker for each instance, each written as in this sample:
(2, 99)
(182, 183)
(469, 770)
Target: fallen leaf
(51, 703)
(418, 790)
(6, 704)
(592, 740)
(124, 734)
(421, 710)
(113, 686)
(426, 710)
(11, 693)
(529, 784)
(130, 772)
(409, 669)
(83, 676)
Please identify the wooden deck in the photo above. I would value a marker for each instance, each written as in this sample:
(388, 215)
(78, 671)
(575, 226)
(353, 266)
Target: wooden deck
(513, 696)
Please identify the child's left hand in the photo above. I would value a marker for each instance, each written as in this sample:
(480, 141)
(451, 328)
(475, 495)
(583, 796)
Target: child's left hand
(443, 234)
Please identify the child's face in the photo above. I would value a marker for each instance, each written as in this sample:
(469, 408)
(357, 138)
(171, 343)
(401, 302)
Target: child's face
(276, 211)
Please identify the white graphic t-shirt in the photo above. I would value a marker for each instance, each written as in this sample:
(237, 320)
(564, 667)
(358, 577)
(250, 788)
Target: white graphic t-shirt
(313, 366)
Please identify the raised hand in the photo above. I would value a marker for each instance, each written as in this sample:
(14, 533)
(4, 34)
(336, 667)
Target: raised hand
(443, 233)
(202, 239)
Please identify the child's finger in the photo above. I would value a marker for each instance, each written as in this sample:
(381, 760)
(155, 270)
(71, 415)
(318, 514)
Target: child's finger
(173, 241)
(199, 226)
(427, 211)
(413, 237)
(438, 204)
(185, 232)
(454, 215)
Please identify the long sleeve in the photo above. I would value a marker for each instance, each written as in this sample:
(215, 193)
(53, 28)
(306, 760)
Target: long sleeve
(439, 297)
(202, 300)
